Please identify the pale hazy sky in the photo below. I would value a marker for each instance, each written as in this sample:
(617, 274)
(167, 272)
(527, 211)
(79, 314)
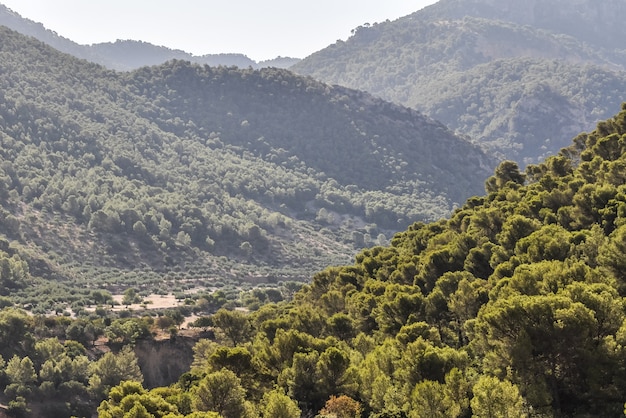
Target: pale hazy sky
(259, 29)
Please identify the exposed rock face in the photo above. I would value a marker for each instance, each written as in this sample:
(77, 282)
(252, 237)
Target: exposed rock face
(162, 362)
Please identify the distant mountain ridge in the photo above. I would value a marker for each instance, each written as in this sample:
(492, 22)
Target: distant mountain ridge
(126, 55)
(480, 67)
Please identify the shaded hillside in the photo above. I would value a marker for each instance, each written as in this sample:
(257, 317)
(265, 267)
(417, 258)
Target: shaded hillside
(237, 173)
(126, 55)
(348, 135)
(473, 72)
(523, 107)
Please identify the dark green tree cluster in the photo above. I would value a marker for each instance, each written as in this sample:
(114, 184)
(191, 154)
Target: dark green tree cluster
(46, 369)
(13, 273)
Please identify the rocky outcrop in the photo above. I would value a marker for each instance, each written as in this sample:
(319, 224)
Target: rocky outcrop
(162, 362)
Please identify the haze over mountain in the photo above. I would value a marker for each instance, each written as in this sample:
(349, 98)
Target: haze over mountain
(179, 164)
(125, 55)
(496, 71)
(576, 18)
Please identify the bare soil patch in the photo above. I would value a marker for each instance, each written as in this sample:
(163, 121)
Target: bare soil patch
(150, 302)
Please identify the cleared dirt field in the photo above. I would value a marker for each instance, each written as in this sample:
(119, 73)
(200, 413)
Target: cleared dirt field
(150, 302)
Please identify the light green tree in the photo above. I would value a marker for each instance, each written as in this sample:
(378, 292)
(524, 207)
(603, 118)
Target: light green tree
(233, 326)
(334, 373)
(21, 375)
(494, 398)
(112, 369)
(276, 404)
(221, 392)
(130, 297)
(15, 332)
(429, 400)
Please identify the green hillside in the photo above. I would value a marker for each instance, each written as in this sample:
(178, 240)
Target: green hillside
(488, 70)
(511, 307)
(195, 173)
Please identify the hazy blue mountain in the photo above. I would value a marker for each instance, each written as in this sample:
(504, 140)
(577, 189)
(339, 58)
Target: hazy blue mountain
(125, 55)
(129, 55)
(279, 62)
(483, 69)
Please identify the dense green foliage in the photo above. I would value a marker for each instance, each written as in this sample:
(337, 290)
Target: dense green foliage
(45, 366)
(117, 179)
(491, 70)
(514, 306)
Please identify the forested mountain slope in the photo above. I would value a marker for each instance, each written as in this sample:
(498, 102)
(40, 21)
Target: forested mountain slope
(126, 55)
(171, 167)
(512, 307)
(488, 70)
